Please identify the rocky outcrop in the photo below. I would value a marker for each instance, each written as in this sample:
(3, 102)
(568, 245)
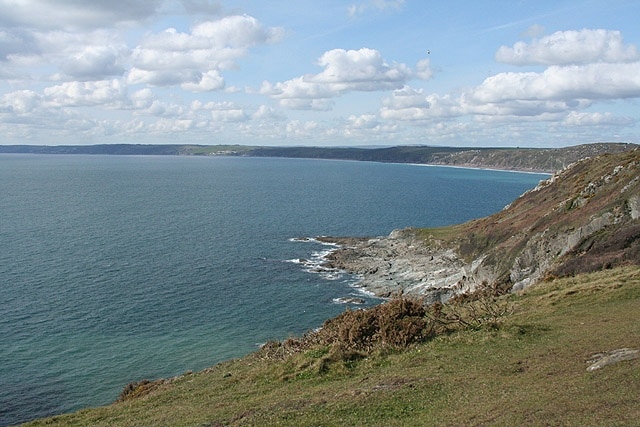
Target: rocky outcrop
(402, 263)
(584, 218)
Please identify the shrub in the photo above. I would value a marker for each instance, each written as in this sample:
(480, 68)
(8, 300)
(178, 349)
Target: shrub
(483, 307)
(396, 323)
(138, 389)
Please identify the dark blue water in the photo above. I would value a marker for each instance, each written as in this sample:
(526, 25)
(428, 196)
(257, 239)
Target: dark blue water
(116, 269)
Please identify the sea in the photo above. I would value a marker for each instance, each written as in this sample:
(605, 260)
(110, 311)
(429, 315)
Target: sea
(115, 269)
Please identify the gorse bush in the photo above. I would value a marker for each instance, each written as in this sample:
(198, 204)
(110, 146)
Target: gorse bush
(398, 323)
(395, 324)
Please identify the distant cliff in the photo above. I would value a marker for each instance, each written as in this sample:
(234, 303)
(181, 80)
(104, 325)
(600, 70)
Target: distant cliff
(524, 159)
(584, 218)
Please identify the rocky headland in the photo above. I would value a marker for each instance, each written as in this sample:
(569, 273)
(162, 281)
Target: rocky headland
(584, 218)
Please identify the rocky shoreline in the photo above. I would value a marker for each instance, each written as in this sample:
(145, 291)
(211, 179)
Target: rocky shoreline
(582, 219)
(401, 264)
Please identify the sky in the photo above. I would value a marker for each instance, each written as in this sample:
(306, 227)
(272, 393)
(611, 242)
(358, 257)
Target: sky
(490, 73)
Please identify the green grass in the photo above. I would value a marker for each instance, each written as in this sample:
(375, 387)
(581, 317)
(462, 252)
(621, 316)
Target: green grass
(528, 369)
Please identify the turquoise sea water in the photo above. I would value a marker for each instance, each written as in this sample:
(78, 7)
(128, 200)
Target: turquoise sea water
(116, 269)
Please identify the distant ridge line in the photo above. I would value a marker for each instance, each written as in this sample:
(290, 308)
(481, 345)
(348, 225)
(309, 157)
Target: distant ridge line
(523, 159)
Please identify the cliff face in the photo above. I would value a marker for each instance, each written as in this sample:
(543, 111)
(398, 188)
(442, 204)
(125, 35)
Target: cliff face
(584, 218)
(523, 159)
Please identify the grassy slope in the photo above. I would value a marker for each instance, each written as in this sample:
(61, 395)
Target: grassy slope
(529, 370)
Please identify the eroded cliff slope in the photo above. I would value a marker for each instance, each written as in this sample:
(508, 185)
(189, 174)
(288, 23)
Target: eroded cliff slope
(584, 218)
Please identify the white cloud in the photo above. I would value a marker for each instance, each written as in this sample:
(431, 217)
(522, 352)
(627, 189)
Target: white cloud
(362, 69)
(407, 97)
(364, 121)
(194, 60)
(297, 128)
(570, 47)
(207, 82)
(344, 71)
(549, 95)
(165, 110)
(234, 115)
(20, 102)
(265, 112)
(171, 126)
(142, 99)
(591, 81)
(81, 94)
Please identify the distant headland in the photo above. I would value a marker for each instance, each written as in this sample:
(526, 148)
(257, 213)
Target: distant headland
(522, 159)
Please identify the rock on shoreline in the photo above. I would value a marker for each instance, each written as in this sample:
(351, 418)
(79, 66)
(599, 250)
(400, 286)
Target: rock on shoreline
(401, 264)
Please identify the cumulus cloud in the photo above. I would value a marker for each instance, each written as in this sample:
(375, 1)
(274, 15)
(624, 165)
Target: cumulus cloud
(406, 97)
(364, 121)
(194, 60)
(297, 128)
(587, 67)
(570, 47)
(20, 102)
(362, 69)
(265, 112)
(83, 94)
(344, 71)
(591, 81)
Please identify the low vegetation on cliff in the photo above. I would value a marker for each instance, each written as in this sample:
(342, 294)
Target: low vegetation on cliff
(541, 361)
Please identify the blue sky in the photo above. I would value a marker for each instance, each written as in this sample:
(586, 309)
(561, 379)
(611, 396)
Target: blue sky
(322, 73)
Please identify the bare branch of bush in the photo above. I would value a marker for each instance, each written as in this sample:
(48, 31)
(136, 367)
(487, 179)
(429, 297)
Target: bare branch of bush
(483, 307)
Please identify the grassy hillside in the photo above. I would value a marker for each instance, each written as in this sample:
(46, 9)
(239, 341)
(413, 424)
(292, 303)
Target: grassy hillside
(527, 365)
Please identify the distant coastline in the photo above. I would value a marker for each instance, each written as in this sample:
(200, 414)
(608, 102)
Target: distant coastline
(536, 160)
